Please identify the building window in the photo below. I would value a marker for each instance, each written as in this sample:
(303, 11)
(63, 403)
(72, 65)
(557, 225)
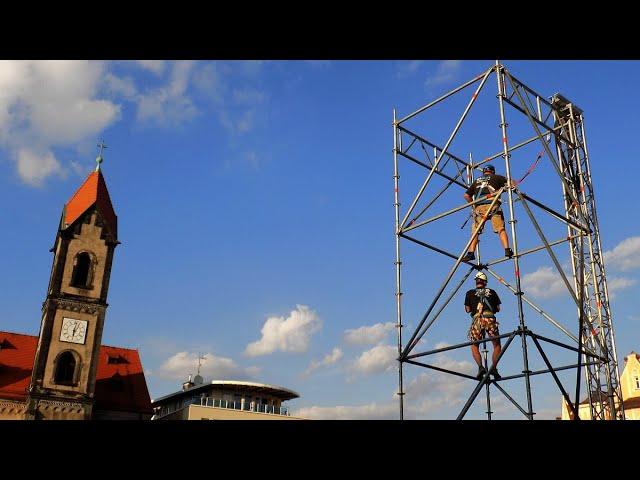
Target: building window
(636, 380)
(65, 369)
(116, 359)
(81, 276)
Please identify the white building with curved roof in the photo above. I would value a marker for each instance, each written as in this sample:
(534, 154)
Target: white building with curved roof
(225, 400)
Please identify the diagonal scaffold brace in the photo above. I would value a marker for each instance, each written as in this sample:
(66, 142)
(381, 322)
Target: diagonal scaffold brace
(554, 120)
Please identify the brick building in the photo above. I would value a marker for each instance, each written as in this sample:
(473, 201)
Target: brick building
(65, 372)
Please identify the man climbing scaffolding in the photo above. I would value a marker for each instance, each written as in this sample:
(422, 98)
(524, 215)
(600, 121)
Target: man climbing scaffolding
(487, 184)
(483, 303)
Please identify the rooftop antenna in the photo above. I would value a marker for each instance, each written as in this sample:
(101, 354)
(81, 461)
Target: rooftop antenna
(99, 158)
(198, 379)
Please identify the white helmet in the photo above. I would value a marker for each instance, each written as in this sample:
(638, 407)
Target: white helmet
(481, 276)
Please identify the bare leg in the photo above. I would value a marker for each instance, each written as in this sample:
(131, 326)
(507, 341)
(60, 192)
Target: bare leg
(474, 243)
(504, 239)
(497, 348)
(475, 351)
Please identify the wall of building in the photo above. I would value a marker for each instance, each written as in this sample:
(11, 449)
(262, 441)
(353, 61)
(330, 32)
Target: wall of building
(629, 384)
(584, 411)
(630, 378)
(196, 412)
(10, 410)
(181, 414)
(89, 240)
(114, 415)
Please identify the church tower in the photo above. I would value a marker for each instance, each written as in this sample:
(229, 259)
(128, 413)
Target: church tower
(64, 371)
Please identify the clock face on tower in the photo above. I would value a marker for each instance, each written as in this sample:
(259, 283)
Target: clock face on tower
(73, 331)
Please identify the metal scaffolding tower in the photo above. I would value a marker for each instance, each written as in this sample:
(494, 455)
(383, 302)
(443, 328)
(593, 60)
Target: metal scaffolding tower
(591, 334)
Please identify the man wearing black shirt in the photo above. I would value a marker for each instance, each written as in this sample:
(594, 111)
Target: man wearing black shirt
(487, 184)
(482, 304)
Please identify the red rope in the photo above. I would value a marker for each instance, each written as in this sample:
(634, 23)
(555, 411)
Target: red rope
(531, 168)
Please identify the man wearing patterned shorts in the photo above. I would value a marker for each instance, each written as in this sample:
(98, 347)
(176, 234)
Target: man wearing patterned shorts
(482, 304)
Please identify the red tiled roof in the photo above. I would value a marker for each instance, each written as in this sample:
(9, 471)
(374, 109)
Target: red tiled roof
(17, 353)
(92, 191)
(632, 403)
(120, 382)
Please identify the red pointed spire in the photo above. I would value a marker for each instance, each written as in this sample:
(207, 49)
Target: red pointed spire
(92, 191)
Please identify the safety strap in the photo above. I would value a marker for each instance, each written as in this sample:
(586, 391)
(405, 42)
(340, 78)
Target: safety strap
(535, 163)
(531, 168)
(496, 209)
(490, 190)
(484, 298)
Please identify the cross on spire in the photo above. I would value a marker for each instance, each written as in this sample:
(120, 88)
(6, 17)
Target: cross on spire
(99, 158)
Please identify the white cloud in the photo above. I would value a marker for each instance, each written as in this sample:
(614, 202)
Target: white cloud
(230, 87)
(406, 69)
(34, 167)
(291, 334)
(615, 284)
(47, 104)
(368, 335)
(155, 66)
(625, 255)
(120, 86)
(329, 359)
(545, 282)
(169, 104)
(446, 71)
(425, 395)
(432, 391)
(235, 122)
(180, 365)
(442, 383)
(371, 411)
(379, 359)
(209, 81)
(238, 113)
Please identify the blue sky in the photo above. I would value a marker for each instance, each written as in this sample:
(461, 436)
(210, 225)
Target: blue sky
(256, 218)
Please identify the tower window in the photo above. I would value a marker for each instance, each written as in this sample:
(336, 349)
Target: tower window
(81, 276)
(637, 382)
(65, 372)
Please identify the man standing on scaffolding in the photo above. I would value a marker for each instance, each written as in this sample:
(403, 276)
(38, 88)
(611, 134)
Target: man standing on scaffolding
(487, 184)
(482, 304)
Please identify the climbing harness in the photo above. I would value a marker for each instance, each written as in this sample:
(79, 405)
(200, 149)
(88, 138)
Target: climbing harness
(529, 171)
